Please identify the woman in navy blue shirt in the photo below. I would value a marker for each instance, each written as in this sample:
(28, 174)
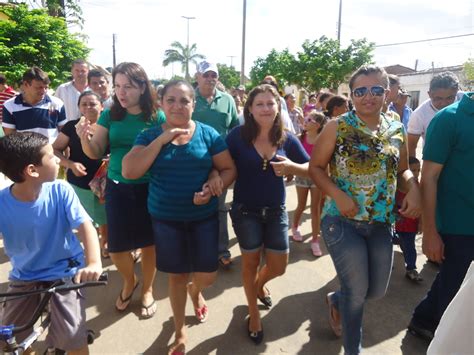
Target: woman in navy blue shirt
(263, 154)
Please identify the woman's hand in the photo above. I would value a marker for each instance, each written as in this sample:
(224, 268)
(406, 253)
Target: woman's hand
(346, 205)
(411, 204)
(215, 185)
(202, 197)
(84, 129)
(171, 133)
(281, 167)
(77, 169)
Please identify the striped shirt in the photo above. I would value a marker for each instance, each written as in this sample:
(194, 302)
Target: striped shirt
(6, 94)
(46, 117)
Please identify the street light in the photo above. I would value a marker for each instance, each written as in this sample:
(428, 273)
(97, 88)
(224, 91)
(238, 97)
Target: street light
(187, 45)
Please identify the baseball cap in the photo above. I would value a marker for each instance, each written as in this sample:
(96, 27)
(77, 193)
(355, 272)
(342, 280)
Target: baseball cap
(403, 92)
(205, 66)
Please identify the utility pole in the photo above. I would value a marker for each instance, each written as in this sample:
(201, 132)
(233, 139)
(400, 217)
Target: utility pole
(231, 60)
(242, 65)
(339, 23)
(114, 61)
(187, 45)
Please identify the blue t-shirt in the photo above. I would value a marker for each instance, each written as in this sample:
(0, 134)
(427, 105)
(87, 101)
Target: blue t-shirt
(38, 235)
(179, 171)
(255, 186)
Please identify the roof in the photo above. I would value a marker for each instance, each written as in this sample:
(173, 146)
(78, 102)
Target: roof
(398, 69)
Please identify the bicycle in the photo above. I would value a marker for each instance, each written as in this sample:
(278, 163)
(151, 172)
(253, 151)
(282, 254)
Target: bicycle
(7, 332)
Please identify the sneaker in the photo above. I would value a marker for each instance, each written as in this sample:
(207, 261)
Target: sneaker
(334, 317)
(315, 248)
(413, 275)
(296, 235)
(417, 330)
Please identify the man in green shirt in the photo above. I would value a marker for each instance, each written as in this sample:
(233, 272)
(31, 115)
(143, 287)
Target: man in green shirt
(448, 207)
(216, 109)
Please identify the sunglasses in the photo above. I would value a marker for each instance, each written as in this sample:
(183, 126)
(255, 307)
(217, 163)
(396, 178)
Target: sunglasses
(209, 75)
(374, 91)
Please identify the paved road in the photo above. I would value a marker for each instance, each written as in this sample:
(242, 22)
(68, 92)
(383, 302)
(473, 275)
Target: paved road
(297, 323)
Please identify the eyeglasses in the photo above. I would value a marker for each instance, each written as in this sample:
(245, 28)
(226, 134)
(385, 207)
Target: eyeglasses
(374, 91)
(209, 75)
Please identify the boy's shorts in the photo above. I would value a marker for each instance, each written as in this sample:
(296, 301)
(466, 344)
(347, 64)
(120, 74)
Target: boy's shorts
(67, 330)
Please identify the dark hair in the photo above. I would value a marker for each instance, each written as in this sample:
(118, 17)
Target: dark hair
(35, 73)
(18, 150)
(97, 73)
(251, 129)
(335, 101)
(288, 95)
(79, 62)
(367, 70)
(137, 76)
(3, 79)
(413, 160)
(444, 80)
(87, 93)
(173, 83)
(312, 96)
(323, 96)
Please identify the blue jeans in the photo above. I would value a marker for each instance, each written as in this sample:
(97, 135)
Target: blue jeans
(223, 232)
(407, 244)
(362, 255)
(458, 255)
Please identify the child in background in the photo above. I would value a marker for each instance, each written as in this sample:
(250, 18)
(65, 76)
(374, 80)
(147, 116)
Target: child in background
(314, 123)
(37, 219)
(407, 228)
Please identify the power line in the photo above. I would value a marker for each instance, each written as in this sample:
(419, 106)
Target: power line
(424, 40)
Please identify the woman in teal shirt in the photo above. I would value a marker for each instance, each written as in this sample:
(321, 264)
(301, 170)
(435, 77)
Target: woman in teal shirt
(125, 201)
(367, 156)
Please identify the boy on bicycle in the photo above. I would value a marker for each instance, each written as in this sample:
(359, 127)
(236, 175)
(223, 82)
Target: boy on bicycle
(37, 218)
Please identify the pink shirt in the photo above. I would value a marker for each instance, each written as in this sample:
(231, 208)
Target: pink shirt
(308, 147)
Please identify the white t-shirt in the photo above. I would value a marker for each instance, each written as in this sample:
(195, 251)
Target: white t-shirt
(70, 95)
(421, 118)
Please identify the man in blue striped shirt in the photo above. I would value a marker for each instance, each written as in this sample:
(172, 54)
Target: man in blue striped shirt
(34, 110)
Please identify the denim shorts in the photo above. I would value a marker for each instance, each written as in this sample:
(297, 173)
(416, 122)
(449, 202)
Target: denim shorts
(257, 227)
(304, 182)
(185, 247)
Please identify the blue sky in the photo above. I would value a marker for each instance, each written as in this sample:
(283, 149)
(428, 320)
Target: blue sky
(146, 28)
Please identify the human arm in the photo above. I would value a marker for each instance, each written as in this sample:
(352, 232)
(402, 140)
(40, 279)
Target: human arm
(140, 158)
(94, 141)
(59, 145)
(411, 204)
(322, 153)
(8, 131)
(432, 246)
(285, 166)
(93, 267)
(412, 144)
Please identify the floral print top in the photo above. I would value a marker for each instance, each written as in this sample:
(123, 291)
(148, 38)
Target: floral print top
(365, 164)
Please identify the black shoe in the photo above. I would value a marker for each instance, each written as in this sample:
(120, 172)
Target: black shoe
(266, 300)
(417, 330)
(256, 337)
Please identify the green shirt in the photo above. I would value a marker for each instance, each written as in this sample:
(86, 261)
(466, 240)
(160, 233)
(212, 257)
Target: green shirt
(220, 114)
(450, 142)
(122, 135)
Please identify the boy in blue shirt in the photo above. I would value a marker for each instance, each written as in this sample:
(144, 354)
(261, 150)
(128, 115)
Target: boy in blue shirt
(37, 218)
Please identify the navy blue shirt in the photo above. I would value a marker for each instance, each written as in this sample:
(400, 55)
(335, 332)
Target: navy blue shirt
(256, 187)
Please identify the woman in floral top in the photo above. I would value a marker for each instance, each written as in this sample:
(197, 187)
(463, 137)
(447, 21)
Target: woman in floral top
(367, 156)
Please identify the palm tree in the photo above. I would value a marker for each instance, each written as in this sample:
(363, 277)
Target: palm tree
(183, 55)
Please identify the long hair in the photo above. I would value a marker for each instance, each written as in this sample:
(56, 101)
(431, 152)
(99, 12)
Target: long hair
(251, 129)
(137, 76)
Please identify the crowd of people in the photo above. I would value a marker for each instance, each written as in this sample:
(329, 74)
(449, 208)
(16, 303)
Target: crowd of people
(167, 161)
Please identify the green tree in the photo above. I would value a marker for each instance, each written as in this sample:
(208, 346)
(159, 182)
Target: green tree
(182, 54)
(32, 37)
(228, 76)
(70, 10)
(320, 64)
(469, 73)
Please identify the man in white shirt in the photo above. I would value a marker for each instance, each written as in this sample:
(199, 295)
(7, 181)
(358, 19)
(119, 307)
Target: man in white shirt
(443, 89)
(69, 92)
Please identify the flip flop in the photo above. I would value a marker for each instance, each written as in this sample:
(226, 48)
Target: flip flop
(201, 313)
(146, 308)
(126, 300)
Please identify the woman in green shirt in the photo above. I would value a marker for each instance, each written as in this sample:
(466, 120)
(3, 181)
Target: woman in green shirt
(129, 223)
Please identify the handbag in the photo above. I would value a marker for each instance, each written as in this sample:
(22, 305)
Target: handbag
(97, 184)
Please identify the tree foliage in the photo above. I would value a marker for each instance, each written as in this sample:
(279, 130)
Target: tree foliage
(32, 37)
(228, 76)
(322, 63)
(469, 73)
(70, 10)
(183, 55)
